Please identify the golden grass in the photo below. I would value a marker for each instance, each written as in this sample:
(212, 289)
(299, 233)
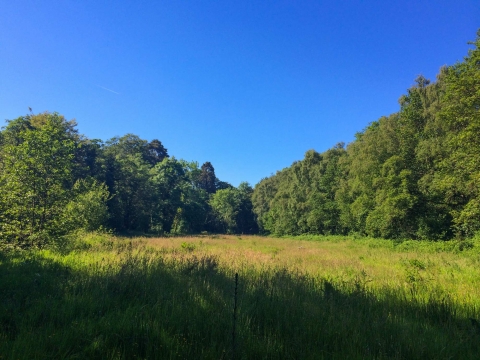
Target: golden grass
(341, 260)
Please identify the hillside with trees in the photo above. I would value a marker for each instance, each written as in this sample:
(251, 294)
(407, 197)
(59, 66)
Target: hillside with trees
(413, 174)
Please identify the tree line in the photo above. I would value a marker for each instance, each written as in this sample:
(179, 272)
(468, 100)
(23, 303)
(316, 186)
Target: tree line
(55, 181)
(414, 174)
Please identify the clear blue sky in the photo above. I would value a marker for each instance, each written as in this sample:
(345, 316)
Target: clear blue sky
(247, 85)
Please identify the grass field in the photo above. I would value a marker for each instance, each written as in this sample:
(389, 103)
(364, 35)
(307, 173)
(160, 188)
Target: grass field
(303, 298)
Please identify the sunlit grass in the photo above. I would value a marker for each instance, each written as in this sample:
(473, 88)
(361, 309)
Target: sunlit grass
(166, 298)
(379, 264)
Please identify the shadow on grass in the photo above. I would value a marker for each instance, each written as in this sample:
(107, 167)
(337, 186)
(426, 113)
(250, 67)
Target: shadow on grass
(146, 306)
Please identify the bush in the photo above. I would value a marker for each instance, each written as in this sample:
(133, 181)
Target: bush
(88, 210)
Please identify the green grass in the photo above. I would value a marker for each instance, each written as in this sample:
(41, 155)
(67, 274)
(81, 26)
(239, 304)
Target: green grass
(170, 298)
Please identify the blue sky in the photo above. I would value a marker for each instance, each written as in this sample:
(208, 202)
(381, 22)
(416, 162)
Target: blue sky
(247, 85)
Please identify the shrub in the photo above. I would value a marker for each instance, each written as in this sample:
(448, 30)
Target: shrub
(88, 210)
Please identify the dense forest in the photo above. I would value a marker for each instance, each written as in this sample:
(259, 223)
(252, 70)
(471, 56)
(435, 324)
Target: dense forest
(414, 174)
(55, 182)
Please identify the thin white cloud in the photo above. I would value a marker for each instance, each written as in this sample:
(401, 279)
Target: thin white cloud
(104, 88)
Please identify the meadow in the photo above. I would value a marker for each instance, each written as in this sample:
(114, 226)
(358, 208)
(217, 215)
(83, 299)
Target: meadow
(108, 297)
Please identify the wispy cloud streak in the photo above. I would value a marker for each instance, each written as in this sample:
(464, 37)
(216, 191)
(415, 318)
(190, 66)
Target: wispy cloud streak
(104, 88)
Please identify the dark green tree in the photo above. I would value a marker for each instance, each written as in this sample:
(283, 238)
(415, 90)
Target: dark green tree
(246, 223)
(207, 179)
(156, 152)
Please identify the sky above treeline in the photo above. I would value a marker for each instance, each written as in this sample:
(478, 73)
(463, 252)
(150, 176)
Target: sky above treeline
(248, 85)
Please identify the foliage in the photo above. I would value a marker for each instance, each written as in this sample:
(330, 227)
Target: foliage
(233, 208)
(411, 175)
(35, 178)
(460, 169)
(55, 181)
(207, 179)
(301, 199)
(88, 209)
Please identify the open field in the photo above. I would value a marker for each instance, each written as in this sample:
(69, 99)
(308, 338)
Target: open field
(166, 298)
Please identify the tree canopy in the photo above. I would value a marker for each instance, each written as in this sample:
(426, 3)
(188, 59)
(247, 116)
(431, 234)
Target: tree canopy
(413, 174)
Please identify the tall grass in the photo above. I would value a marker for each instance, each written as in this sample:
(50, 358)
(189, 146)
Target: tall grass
(112, 298)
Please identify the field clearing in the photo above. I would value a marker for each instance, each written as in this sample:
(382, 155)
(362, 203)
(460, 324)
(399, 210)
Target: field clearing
(168, 298)
(376, 264)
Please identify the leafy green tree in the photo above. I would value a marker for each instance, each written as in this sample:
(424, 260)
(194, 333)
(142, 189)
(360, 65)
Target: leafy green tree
(168, 181)
(151, 152)
(87, 159)
(124, 164)
(132, 196)
(35, 178)
(245, 221)
(393, 202)
(88, 209)
(219, 185)
(226, 204)
(195, 208)
(460, 174)
(262, 197)
(301, 199)
(363, 163)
